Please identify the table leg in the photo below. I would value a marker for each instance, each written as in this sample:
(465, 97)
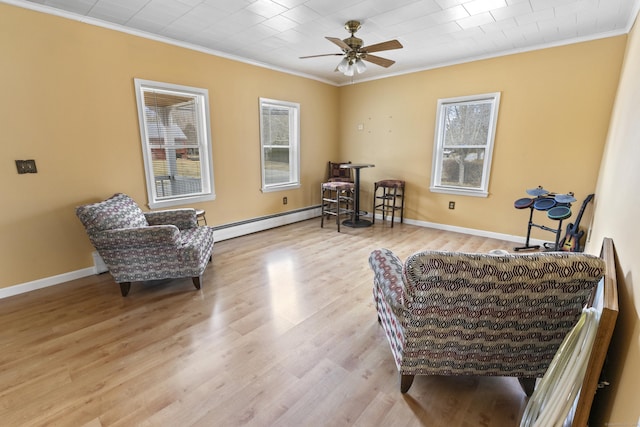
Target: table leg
(356, 222)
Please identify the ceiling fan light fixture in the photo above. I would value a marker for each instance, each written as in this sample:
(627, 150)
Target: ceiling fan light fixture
(350, 69)
(361, 67)
(354, 52)
(342, 66)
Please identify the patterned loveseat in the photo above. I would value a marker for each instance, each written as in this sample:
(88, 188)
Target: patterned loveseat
(138, 246)
(447, 313)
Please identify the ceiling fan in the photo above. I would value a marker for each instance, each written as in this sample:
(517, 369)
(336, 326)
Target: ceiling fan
(355, 52)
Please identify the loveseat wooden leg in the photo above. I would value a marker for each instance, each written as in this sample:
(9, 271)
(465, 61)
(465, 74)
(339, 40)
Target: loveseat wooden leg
(405, 382)
(124, 288)
(196, 281)
(528, 385)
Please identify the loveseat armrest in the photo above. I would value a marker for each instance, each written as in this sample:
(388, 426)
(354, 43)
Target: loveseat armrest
(387, 278)
(181, 218)
(153, 236)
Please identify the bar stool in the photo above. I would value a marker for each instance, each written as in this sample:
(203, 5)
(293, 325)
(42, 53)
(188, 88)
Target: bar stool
(385, 201)
(336, 199)
(201, 217)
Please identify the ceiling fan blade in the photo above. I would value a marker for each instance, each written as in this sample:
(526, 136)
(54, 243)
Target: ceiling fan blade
(388, 45)
(383, 62)
(342, 45)
(325, 54)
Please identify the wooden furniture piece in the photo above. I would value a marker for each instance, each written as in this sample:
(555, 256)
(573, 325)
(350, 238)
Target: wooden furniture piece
(456, 313)
(606, 301)
(337, 173)
(356, 221)
(389, 199)
(201, 215)
(336, 200)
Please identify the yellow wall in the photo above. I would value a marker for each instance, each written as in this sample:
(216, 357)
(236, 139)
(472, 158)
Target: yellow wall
(552, 124)
(616, 216)
(67, 100)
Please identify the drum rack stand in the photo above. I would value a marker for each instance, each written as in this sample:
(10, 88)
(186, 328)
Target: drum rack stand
(545, 201)
(547, 246)
(527, 246)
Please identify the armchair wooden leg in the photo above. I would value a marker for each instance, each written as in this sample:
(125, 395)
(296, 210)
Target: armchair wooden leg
(196, 281)
(124, 288)
(528, 385)
(405, 382)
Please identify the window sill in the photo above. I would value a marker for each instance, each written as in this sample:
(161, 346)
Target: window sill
(459, 191)
(273, 188)
(162, 204)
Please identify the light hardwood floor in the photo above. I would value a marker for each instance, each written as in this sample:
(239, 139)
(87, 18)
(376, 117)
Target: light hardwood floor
(283, 332)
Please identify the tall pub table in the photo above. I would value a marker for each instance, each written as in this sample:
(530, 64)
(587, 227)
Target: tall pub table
(356, 221)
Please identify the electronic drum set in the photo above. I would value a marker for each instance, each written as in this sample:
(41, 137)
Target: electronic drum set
(557, 207)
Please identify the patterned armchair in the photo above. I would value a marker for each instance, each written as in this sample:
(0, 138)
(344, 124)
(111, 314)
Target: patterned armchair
(447, 313)
(139, 246)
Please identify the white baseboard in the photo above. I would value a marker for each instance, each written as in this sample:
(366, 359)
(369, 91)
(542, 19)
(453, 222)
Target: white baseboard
(229, 231)
(46, 282)
(474, 232)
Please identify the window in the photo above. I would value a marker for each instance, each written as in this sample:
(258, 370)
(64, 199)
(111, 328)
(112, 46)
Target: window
(465, 132)
(280, 143)
(176, 143)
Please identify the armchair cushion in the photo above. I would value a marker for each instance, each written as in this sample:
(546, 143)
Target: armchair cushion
(119, 211)
(140, 237)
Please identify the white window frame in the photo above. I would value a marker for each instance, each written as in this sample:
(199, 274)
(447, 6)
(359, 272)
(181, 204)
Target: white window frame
(294, 146)
(439, 148)
(207, 188)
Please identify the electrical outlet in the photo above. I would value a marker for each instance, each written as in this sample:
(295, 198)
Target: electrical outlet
(26, 166)
(284, 200)
(452, 205)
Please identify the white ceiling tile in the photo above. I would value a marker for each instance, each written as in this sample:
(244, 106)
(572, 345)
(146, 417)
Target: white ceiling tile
(161, 12)
(382, 6)
(190, 3)
(436, 31)
(537, 5)
(406, 13)
(522, 31)
(476, 7)
(290, 4)
(475, 33)
(301, 14)
(450, 14)
(540, 15)
(229, 6)
(280, 23)
(475, 20)
(358, 11)
(266, 8)
(511, 11)
(327, 7)
(76, 6)
(112, 12)
(446, 4)
(499, 26)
